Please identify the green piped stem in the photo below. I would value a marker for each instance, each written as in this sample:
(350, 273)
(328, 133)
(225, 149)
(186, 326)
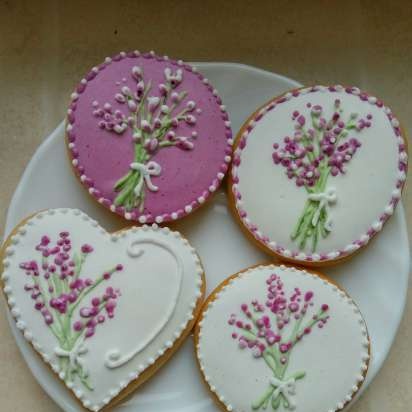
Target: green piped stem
(304, 229)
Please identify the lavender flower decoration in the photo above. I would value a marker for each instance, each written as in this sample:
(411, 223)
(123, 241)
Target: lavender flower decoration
(62, 297)
(263, 331)
(316, 151)
(152, 120)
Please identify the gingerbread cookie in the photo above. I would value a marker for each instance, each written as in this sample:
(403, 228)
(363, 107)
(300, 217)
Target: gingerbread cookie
(278, 338)
(148, 137)
(317, 172)
(104, 311)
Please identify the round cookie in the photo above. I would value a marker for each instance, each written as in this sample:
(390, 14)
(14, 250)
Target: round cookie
(88, 301)
(317, 172)
(280, 338)
(148, 136)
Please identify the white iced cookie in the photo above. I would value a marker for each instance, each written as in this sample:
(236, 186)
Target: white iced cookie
(276, 338)
(317, 172)
(105, 311)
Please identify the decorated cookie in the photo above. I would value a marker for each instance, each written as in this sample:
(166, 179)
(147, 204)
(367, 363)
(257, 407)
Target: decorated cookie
(148, 136)
(317, 172)
(104, 311)
(287, 339)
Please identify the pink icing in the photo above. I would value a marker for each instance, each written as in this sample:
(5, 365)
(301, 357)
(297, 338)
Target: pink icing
(104, 157)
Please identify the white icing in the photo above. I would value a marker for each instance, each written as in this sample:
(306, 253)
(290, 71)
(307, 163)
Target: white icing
(285, 387)
(143, 282)
(147, 170)
(114, 358)
(324, 199)
(74, 356)
(333, 358)
(274, 203)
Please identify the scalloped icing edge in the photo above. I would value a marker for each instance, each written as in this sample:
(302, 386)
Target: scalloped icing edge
(375, 227)
(89, 185)
(220, 290)
(21, 230)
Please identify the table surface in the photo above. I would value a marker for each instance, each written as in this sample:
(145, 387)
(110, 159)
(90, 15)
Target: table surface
(46, 47)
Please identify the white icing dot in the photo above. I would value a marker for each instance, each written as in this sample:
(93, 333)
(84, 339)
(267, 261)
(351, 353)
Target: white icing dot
(205, 81)
(142, 219)
(332, 255)
(227, 159)
(377, 225)
(395, 122)
(212, 188)
(201, 199)
(389, 209)
(396, 194)
(159, 219)
(372, 99)
(220, 175)
(107, 59)
(128, 215)
(188, 209)
(402, 176)
(350, 248)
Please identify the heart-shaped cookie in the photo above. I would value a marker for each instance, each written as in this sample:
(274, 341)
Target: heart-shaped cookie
(103, 310)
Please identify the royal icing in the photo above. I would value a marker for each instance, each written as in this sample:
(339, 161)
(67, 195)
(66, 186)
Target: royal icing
(315, 153)
(148, 136)
(288, 341)
(88, 301)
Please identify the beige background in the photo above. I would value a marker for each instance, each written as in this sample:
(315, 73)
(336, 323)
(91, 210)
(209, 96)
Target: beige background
(46, 47)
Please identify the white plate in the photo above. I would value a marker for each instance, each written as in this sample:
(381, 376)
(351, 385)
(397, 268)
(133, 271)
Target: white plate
(376, 278)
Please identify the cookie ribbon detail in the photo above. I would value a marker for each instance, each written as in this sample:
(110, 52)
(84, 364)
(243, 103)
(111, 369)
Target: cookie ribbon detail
(324, 199)
(285, 388)
(74, 355)
(146, 170)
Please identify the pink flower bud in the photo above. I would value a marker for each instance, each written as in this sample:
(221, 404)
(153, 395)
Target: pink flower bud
(78, 326)
(174, 97)
(120, 98)
(137, 72)
(132, 105)
(152, 103)
(162, 89)
(126, 91)
(86, 248)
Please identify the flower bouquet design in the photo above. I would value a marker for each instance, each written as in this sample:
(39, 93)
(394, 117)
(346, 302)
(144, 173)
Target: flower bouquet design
(64, 300)
(310, 157)
(271, 331)
(152, 120)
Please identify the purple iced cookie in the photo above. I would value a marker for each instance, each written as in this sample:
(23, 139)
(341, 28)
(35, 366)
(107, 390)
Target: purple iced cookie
(148, 136)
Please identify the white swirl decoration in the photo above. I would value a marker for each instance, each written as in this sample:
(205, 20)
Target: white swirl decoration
(113, 358)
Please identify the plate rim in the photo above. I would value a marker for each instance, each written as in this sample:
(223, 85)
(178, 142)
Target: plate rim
(48, 140)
